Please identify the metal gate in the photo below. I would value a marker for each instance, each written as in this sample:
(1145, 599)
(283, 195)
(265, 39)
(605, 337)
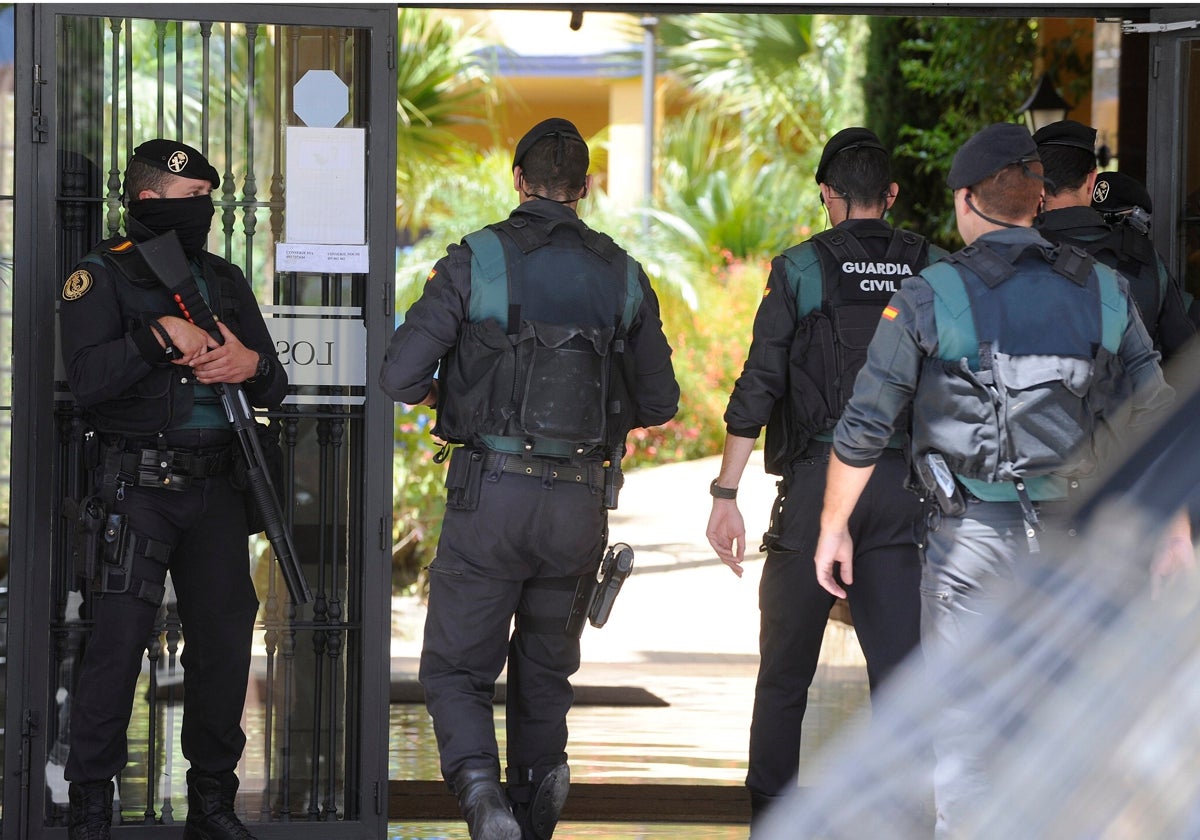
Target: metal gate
(100, 81)
(1173, 120)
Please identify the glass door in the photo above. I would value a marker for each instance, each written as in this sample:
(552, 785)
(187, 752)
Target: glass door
(111, 78)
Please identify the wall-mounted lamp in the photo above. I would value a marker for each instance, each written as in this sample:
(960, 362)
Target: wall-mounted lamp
(1044, 105)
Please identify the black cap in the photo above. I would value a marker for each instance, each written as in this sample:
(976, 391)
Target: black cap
(178, 159)
(855, 137)
(1116, 192)
(990, 150)
(553, 127)
(1066, 133)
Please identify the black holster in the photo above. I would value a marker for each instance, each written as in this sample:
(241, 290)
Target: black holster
(464, 478)
(116, 572)
(935, 476)
(88, 517)
(595, 594)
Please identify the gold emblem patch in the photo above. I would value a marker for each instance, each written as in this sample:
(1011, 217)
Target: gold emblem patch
(77, 285)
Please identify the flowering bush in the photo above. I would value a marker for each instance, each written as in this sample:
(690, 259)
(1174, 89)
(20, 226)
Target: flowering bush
(710, 344)
(418, 497)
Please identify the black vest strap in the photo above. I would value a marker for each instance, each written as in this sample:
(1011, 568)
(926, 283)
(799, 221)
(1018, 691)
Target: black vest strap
(844, 246)
(527, 237)
(600, 244)
(992, 268)
(1074, 263)
(906, 247)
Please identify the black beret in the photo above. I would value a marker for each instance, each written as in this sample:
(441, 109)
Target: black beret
(1116, 191)
(178, 159)
(988, 151)
(553, 127)
(1066, 133)
(848, 138)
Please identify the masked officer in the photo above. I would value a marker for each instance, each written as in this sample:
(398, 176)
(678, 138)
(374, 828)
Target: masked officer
(144, 377)
(1067, 150)
(550, 349)
(822, 301)
(1005, 353)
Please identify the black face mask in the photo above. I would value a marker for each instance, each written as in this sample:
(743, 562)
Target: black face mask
(191, 218)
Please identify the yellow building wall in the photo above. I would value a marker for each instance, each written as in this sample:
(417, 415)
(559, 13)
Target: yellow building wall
(607, 111)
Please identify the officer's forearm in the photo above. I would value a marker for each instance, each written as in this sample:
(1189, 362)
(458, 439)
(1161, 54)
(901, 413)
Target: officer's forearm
(843, 487)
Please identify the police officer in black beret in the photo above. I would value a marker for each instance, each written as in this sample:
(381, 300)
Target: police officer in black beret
(1067, 151)
(550, 349)
(822, 301)
(144, 376)
(998, 360)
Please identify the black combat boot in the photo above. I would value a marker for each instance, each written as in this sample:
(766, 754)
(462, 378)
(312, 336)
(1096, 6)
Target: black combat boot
(90, 816)
(760, 803)
(210, 808)
(484, 805)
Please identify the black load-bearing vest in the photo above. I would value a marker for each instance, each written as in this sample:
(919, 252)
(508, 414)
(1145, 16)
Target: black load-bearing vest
(1132, 254)
(541, 365)
(841, 282)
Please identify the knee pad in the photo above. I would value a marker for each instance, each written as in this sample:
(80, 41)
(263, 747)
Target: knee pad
(538, 803)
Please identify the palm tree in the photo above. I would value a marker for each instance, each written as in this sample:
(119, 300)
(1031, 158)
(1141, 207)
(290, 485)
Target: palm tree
(443, 80)
(782, 77)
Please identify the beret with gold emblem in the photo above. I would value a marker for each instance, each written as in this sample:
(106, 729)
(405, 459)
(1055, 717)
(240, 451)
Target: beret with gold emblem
(178, 159)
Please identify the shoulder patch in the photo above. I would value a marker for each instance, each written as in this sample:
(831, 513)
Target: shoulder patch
(77, 285)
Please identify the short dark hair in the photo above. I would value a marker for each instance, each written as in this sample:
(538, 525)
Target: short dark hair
(141, 176)
(556, 166)
(863, 176)
(1012, 193)
(1067, 167)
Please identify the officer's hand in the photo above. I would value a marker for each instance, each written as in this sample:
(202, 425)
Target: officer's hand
(432, 397)
(228, 362)
(190, 341)
(834, 548)
(727, 533)
(1174, 553)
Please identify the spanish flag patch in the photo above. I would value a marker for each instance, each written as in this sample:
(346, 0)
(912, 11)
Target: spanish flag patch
(890, 312)
(431, 275)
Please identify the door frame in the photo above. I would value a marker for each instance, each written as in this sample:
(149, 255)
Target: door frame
(34, 438)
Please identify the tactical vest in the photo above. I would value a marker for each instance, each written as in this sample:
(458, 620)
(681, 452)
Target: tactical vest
(161, 400)
(536, 370)
(1132, 254)
(1026, 367)
(841, 282)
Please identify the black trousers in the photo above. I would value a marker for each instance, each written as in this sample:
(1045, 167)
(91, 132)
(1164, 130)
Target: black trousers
(521, 531)
(884, 602)
(205, 525)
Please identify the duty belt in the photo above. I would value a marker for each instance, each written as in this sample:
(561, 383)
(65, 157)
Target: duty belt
(174, 469)
(591, 473)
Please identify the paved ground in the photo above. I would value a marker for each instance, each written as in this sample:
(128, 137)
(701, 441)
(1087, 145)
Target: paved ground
(681, 605)
(680, 598)
(685, 629)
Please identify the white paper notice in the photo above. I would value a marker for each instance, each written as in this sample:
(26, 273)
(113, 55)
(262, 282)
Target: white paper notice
(322, 259)
(325, 188)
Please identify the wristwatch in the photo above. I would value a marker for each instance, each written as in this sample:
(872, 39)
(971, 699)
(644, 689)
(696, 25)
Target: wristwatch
(264, 367)
(718, 492)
